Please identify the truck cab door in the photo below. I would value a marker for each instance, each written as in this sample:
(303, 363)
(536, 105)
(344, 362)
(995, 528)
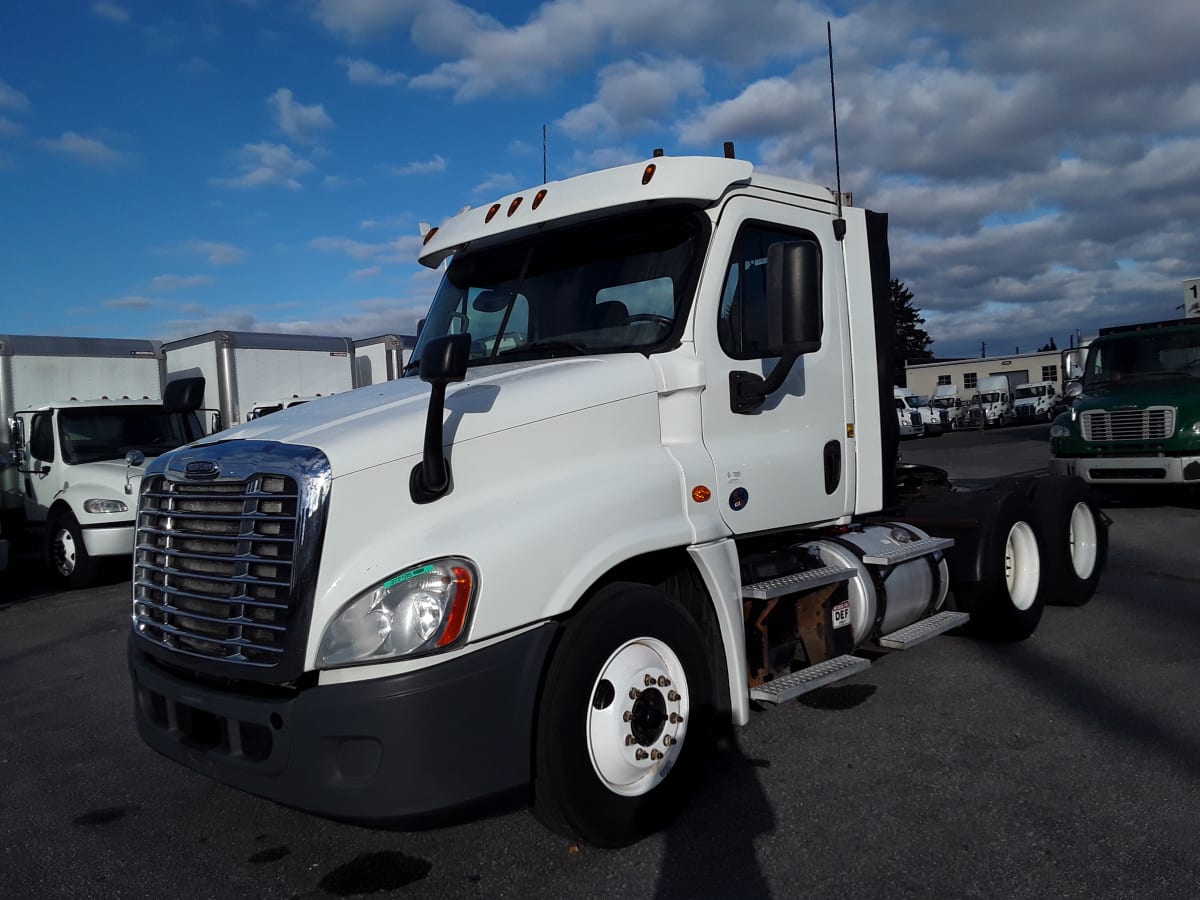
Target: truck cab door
(37, 468)
(789, 461)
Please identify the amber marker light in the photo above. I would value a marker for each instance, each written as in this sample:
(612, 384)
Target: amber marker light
(429, 234)
(512, 207)
(700, 493)
(649, 173)
(458, 607)
(850, 430)
(491, 213)
(538, 198)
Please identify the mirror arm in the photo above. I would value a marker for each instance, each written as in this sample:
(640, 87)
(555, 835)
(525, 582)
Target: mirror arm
(747, 391)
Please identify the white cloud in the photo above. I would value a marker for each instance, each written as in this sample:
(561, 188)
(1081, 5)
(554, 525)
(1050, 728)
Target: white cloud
(496, 183)
(267, 164)
(165, 283)
(366, 272)
(297, 121)
(399, 250)
(362, 71)
(110, 11)
(634, 97)
(437, 164)
(11, 98)
(358, 19)
(336, 182)
(9, 128)
(83, 149)
(131, 301)
(217, 252)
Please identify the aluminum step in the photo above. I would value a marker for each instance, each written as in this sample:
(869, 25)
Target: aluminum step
(794, 684)
(920, 632)
(794, 584)
(904, 552)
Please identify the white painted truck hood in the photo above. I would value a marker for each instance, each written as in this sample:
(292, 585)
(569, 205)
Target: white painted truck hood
(375, 425)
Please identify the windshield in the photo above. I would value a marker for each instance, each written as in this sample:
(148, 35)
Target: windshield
(1024, 392)
(1143, 354)
(98, 433)
(618, 285)
(990, 397)
(945, 402)
(913, 402)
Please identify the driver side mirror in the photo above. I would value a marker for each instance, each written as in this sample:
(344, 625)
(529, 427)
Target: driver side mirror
(17, 429)
(794, 322)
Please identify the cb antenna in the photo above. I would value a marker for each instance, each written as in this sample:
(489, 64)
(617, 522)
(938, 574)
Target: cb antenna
(839, 224)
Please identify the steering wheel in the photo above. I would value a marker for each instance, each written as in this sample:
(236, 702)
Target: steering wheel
(664, 321)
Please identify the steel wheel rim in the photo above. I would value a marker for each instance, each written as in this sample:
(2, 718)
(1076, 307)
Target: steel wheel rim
(1022, 565)
(635, 738)
(1082, 540)
(64, 551)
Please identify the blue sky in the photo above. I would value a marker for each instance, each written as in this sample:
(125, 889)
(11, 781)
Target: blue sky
(171, 168)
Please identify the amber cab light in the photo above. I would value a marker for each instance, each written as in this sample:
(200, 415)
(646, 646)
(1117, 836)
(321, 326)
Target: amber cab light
(700, 493)
(491, 213)
(457, 618)
(538, 198)
(512, 207)
(429, 234)
(649, 173)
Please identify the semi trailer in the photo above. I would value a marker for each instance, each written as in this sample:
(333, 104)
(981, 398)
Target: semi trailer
(641, 486)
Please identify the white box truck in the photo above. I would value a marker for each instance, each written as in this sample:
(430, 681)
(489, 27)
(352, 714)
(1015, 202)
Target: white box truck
(78, 418)
(991, 404)
(645, 483)
(250, 374)
(382, 358)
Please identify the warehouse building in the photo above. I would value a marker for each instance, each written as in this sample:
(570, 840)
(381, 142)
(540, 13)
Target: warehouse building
(963, 374)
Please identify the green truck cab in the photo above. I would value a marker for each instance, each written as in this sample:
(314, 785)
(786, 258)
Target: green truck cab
(1135, 418)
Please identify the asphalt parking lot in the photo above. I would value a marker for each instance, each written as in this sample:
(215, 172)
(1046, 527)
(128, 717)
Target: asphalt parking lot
(1064, 766)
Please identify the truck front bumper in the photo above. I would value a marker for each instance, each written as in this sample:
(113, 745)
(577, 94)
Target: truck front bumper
(1130, 469)
(382, 750)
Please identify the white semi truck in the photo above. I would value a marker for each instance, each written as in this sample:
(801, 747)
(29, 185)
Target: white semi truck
(645, 484)
(1034, 402)
(249, 374)
(78, 418)
(991, 404)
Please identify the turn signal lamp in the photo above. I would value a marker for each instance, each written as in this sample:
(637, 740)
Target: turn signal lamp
(701, 494)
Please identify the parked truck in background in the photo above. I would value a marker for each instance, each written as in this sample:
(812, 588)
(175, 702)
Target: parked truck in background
(1135, 417)
(945, 399)
(933, 420)
(1034, 402)
(246, 371)
(381, 358)
(645, 482)
(78, 419)
(991, 404)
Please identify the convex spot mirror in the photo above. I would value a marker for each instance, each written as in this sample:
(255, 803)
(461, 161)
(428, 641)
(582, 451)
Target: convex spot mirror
(491, 301)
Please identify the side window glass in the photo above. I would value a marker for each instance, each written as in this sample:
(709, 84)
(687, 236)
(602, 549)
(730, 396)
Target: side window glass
(742, 319)
(41, 438)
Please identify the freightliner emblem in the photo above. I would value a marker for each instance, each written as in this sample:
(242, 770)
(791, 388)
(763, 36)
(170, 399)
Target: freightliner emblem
(201, 469)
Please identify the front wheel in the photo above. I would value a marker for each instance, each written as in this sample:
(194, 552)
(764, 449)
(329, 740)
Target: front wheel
(67, 553)
(626, 720)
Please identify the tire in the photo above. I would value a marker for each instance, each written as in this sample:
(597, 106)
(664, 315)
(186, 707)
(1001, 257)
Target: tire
(599, 776)
(1073, 536)
(1006, 603)
(66, 552)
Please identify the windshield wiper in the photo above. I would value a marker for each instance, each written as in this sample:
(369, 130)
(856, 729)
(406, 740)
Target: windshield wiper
(547, 344)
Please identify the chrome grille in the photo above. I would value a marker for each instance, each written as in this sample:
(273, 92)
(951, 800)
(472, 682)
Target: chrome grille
(215, 566)
(1154, 423)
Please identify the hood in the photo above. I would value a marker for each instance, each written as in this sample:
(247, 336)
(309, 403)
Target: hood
(373, 425)
(1182, 392)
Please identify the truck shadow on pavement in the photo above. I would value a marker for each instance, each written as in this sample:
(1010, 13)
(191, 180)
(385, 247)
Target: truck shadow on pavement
(27, 579)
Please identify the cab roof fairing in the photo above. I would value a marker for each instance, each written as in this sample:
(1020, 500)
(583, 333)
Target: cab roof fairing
(694, 179)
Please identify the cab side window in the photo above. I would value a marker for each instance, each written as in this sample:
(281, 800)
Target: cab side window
(41, 437)
(742, 322)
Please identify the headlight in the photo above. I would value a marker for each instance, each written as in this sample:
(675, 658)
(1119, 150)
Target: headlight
(1196, 428)
(105, 506)
(1060, 431)
(416, 611)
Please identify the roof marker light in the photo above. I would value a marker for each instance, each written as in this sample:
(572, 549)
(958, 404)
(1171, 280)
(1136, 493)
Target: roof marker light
(491, 213)
(429, 234)
(651, 168)
(538, 198)
(512, 207)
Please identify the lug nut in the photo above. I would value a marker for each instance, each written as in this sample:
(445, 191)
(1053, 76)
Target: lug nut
(663, 681)
(676, 718)
(668, 740)
(673, 696)
(627, 715)
(656, 755)
(634, 693)
(628, 740)
(649, 681)
(641, 754)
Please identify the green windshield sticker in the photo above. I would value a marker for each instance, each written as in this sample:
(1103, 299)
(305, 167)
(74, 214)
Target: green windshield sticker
(424, 570)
